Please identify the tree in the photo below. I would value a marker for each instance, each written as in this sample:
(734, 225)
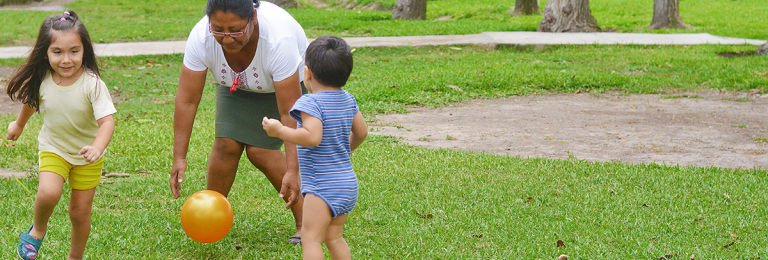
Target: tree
(525, 7)
(568, 16)
(666, 14)
(763, 50)
(284, 3)
(410, 10)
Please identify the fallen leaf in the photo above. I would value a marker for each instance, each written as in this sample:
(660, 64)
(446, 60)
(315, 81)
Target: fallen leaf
(667, 256)
(10, 145)
(238, 247)
(530, 199)
(454, 48)
(577, 91)
(456, 88)
(477, 235)
(657, 149)
(761, 74)
(563, 257)
(393, 86)
(693, 257)
(560, 243)
(729, 244)
(734, 235)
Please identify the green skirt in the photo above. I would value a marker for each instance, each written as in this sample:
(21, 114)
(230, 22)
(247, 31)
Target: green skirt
(239, 115)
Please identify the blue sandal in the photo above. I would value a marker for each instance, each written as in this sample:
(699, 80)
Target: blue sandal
(28, 246)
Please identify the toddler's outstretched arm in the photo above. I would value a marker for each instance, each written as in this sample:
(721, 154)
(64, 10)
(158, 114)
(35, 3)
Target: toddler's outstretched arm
(16, 127)
(359, 131)
(106, 128)
(309, 135)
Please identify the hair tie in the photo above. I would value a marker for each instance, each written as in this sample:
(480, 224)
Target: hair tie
(66, 12)
(62, 19)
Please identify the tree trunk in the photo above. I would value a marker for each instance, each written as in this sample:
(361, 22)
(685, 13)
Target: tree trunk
(666, 14)
(284, 3)
(410, 10)
(568, 16)
(763, 50)
(525, 7)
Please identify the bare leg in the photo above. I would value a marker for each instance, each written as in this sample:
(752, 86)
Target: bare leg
(49, 191)
(336, 244)
(80, 205)
(272, 164)
(314, 227)
(222, 164)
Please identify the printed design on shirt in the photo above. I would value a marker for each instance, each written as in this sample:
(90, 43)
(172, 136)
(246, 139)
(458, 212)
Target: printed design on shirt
(243, 79)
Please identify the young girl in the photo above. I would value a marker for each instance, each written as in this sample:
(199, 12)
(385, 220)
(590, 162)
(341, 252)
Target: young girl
(330, 128)
(61, 76)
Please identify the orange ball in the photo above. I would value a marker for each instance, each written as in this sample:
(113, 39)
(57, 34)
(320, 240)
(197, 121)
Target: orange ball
(206, 216)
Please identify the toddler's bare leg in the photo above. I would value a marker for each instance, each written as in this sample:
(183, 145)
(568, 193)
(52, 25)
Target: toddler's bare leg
(336, 244)
(313, 229)
(48, 195)
(80, 205)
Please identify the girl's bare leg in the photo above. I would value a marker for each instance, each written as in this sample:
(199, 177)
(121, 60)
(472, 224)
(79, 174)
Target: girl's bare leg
(80, 205)
(49, 191)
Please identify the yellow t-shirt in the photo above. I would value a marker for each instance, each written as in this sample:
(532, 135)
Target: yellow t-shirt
(70, 114)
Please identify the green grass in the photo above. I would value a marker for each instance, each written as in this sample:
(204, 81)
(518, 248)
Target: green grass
(761, 140)
(739, 99)
(478, 202)
(739, 126)
(151, 20)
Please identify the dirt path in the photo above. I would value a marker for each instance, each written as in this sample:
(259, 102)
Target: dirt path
(712, 128)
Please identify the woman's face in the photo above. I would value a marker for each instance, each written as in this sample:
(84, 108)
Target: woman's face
(222, 22)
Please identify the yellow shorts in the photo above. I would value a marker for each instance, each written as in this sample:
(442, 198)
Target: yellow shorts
(80, 177)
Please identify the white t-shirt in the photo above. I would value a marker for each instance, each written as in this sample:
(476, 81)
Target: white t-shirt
(70, 114)
(280, 51)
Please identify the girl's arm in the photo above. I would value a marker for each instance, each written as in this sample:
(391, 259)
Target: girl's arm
(16, 127)
(359, 131)
(103, 136)
(309, 135)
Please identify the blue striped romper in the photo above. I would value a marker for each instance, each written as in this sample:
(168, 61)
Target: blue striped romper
(326, 170)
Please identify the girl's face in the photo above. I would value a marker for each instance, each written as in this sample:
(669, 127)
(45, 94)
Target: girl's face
(228, 22)
(65, 54)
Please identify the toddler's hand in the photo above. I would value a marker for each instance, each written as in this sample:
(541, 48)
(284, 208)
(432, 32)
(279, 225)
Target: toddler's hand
(272, 126)
(14, 131)
(90, 153)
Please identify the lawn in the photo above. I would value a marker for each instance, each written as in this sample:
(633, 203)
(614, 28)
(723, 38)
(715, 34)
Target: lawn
(418, 203)
(157, 20)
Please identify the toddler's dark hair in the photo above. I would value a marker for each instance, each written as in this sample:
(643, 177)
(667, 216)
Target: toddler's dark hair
(330, 60)
(241, 8)
(24, 85)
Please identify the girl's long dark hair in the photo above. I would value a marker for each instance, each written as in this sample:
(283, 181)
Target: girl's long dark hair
(24, 86)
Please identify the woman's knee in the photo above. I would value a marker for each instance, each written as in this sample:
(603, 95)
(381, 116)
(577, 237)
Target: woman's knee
(226, 146)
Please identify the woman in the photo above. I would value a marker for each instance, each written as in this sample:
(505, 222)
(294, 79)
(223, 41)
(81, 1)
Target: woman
(255, 52)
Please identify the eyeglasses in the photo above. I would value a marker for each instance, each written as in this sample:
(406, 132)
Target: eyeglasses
(232, 34)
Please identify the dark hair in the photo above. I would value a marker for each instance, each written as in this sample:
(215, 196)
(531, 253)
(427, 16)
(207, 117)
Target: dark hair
(241, 8)
(330, 60)
(24, 85)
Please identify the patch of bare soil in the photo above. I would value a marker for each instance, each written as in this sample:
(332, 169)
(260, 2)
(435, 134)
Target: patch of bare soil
(6, 105)
(701, 129)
